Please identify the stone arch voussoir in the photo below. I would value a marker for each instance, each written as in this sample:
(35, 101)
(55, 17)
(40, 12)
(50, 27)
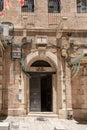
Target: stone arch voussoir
(49, 57)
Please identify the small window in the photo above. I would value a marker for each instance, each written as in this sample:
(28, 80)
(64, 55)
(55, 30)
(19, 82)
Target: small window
(1, 5)
(81, 6)
(28, 6)
(53, 6)
(40, 63)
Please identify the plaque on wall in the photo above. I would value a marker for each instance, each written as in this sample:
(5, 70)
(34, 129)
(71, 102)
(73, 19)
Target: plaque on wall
(16, 54)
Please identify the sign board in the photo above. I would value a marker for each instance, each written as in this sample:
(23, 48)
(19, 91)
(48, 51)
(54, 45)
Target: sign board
(16, 54)
(5, 30)
(41, 39)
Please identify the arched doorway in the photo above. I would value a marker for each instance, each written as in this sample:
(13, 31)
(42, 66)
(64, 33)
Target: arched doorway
(41, 91)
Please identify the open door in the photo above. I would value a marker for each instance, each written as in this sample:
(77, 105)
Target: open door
(41, 93)
(35, 94)
(46, 93)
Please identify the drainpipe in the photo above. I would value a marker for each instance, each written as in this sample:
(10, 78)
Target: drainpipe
(4, 81)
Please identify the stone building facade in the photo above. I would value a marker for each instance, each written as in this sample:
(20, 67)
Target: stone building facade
(50, 77)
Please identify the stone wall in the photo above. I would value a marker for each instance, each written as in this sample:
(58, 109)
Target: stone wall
(41, 18)
(40, 22)
(79, 93)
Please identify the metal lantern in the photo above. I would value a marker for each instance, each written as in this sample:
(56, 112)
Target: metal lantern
(64, 52)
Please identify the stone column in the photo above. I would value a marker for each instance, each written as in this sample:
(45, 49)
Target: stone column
(68, 93)
(65, 109)
(0, 96)
(0, 84)
(54, 85)
(62, 95)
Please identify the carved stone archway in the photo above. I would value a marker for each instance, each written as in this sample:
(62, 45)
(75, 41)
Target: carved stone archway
(53, 61)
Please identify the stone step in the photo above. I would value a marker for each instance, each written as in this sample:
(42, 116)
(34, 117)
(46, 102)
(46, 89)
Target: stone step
(42, 114)
(4, 126)
(59, 128)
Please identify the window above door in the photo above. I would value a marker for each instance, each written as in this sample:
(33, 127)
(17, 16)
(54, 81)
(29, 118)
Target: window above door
(81, 6)
(28, 6)
(1, 5)
(53, 6)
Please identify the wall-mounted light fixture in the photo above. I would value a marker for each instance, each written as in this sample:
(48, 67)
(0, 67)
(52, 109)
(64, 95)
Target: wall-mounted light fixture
(26, 40)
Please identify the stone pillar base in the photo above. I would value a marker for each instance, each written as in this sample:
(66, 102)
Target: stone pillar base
(4, 126)
(62, 114)
(65, 114)
(80, 114)
(16, 112)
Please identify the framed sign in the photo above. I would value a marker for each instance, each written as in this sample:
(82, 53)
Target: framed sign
(16, 54)
(41, 39)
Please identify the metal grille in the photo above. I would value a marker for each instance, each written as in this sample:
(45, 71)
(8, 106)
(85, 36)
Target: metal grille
(1, 5)
(28, 6)
(82, 6)
(53, 6)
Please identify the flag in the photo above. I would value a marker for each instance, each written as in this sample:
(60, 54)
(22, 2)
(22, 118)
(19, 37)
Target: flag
(2, 13)
(6, 6)
(21, 2)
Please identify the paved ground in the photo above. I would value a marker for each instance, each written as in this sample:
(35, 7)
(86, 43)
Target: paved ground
(36, 123)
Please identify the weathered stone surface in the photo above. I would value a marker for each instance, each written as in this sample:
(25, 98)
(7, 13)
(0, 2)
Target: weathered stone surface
(67, 94)
(4, 126)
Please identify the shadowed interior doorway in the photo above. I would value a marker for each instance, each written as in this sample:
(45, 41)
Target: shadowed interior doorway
(41, 92)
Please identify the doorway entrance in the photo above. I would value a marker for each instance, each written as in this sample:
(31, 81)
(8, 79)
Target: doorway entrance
(41, 92)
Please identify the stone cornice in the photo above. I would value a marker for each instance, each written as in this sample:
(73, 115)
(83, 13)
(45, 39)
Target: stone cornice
(48, 31)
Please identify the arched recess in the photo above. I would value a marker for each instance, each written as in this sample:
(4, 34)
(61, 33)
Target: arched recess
(51, 59)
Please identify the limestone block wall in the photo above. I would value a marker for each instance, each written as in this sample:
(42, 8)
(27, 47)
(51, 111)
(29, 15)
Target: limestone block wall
(30, 25)
(13, 101)
(1, 82)
(13, 14)
(79, 95)
(78, 82)
(41, 18)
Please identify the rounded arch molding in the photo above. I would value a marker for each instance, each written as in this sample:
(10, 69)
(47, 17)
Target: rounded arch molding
(53, 61)
(49, 57)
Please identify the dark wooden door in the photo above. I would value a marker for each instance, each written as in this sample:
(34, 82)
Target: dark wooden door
(35, 94)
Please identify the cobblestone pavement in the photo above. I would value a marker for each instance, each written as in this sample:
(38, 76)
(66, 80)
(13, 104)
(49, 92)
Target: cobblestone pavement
(38, 123)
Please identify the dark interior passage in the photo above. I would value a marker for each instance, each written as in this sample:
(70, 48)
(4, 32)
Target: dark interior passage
(41, 93)
(46, 93)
